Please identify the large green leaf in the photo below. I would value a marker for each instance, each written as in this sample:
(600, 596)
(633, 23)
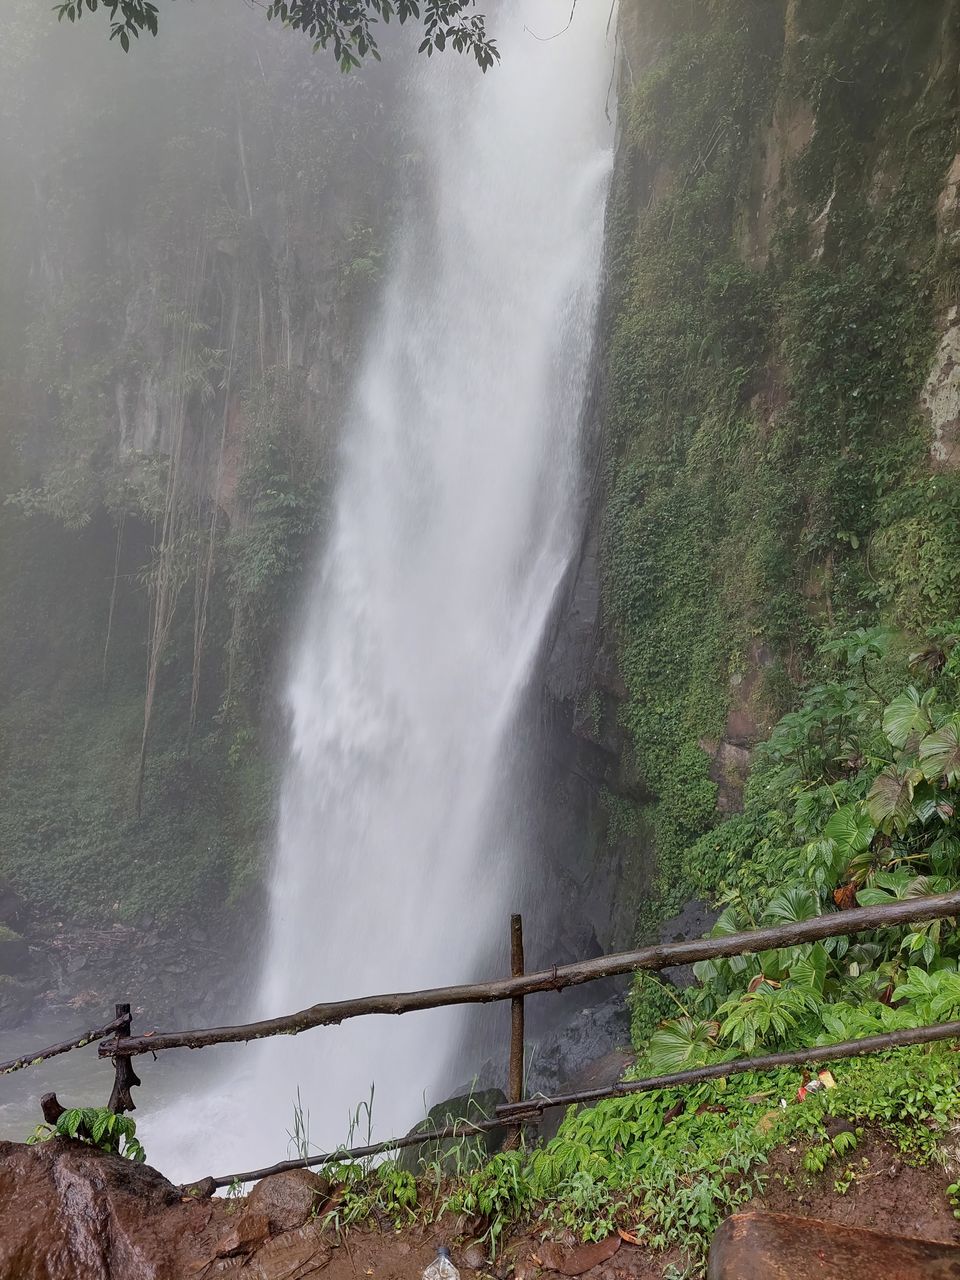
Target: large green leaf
(810, 970)
(907, 718)
(890, 799)
(727, 923)
(851, 829)
(888, 886)
(791, 905)
(685, 1042)
(940, 752)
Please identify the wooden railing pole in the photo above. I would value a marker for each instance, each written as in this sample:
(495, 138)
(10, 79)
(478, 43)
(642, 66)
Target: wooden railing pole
(41, 1055)
(124, 1076)
(515, 1072)
(529, 1110)
(660, 956)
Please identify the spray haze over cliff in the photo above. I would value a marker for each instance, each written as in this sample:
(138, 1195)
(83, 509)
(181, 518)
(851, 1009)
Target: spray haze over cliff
(303, 366)
(401, 844)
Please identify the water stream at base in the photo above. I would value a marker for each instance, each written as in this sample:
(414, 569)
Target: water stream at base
(401, 843)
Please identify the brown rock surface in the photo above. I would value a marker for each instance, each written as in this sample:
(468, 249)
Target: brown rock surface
(69, 1211)
(778, 1246)
(250, 1231)
(288, 1199)
(578, 1259)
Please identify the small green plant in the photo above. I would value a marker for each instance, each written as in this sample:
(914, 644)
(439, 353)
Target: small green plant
(498, 1193)
(386, 1192)
(98, 1127)
(817, 1158)
(298, 1138)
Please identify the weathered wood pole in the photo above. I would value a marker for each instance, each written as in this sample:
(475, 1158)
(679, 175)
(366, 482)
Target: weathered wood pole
(40, 1055)
(515, 1071)
(124, 1076)
(51, 1108)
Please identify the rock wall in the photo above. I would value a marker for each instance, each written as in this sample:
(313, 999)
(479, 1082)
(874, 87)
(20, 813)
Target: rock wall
(777, 408)
(186, 265)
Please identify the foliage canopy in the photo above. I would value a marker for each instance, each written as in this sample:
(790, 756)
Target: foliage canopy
(347, 25)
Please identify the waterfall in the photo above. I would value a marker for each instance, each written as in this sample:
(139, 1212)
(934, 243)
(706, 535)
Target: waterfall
(401, 843)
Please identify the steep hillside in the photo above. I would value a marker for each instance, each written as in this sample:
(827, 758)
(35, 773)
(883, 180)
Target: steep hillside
(781, 406)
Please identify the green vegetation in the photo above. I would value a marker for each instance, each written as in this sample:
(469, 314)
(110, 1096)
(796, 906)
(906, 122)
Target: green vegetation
(668, 1166)
(853, 801)
(166, 396)
(99, 1127)
(776, 541)
(769, 478)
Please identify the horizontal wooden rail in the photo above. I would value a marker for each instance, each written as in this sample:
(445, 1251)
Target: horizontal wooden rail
(661, 956)
(78, 1042)
(462, 1129)
(526, 1110)
(530, 1110)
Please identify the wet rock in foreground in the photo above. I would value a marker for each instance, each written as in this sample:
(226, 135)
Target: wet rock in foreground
(778, 1246)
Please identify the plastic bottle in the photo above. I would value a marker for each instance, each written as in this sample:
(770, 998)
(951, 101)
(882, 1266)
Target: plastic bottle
(441, 1268)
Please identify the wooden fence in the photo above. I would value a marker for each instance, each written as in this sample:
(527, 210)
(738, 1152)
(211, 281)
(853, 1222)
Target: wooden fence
(122, 1046)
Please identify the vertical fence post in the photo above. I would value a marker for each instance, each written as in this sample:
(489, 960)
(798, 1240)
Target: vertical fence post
(124, 1076)
(515, 1074)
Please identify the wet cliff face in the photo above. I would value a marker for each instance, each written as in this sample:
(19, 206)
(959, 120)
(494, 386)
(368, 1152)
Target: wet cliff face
(209, 223)
(189, 241)
(776, 456)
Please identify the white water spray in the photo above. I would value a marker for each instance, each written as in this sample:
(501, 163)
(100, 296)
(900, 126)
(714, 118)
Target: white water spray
(398, 859)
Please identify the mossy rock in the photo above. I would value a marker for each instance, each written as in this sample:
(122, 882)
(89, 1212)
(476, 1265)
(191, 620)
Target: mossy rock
(453, 1154)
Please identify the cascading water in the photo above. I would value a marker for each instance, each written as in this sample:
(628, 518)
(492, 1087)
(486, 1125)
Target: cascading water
(398, 856)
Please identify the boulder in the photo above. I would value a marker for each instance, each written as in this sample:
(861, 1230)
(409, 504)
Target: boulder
(71, 1212)
(565, 1053)
(288, 1199)
(778, 1246)
(451, 1152)
(67, 1209)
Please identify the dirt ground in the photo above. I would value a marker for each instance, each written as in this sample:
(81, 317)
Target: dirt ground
(885, 1193)
(880, 1190)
